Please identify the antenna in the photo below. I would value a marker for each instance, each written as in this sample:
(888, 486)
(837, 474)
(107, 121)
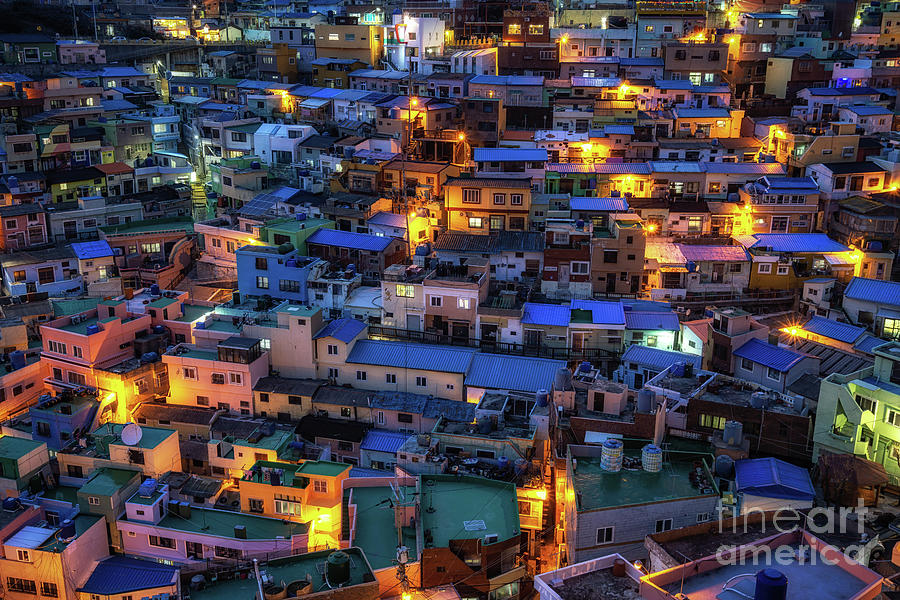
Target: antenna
(131, 434)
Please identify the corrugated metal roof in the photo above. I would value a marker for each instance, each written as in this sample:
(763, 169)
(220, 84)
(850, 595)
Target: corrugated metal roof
(773, 478)
(603, 312)
(622, 169)
(349, 239)
(769, 355)
(341, 329)
(410, 355)
(658, 359)
(791, 183)
(798, 242)
(868, 110)
(868, 344)
(85, 250)
(587, 203)
(701, 253)
(652, 320)
(515, 373)
(842, 332)
(501, 241)
(618, 129)
(510, 154)
(554, 315)
(120, 574)
(507, 80)
(702, 113)
(388, 218)
(604, 82)
(874, 290)
(378, 440)
(498, 182)
(744, 168)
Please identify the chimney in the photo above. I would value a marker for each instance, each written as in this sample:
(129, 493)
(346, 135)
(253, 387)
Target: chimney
(240, 532)
(773, 337)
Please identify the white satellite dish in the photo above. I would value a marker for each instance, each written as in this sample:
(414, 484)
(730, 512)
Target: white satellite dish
(131, 434)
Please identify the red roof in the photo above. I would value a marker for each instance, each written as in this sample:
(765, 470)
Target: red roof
(115, 168)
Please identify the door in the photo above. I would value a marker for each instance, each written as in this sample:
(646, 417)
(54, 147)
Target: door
(564, 270)
(718, 272)
(611, 283)
(460, 331)
(578, 341)
(70, 230)
(638, 381)
(635, 284)
(488, 332)
(533, 338)
(414, 322)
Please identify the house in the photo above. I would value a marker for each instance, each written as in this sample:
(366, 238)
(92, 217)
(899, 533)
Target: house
(274, 271)
(513, 255)
(145, 578)
(488, 203)
(772, 366)
(284, 398)
(783, 261)
(782, 204)
(763, 484)
(22, 226)
(96, 263)
(156, 453)
(26, 465)
(54, 271)
(155, 251)
(369, 254)
(640, 364)
(874, 303)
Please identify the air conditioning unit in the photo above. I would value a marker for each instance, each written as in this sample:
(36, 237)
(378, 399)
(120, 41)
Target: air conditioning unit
(491, 538)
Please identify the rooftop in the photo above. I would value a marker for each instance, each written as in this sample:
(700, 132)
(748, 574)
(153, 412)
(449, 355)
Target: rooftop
(466, 508)
(221, 523)
(378, 524)
(107, 481)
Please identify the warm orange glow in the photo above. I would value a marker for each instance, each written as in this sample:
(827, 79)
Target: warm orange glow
(564, 39)
(623, 89)
(587, 147)
(407, 596)
(324, 518)
(541, 494)
(651, 227)
(462, 136)
(414, 102)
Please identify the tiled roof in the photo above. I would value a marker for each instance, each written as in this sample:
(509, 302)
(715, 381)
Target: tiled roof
(501, 241)
(656, 358)
(769, 355)
(842, 332)
(498, 182)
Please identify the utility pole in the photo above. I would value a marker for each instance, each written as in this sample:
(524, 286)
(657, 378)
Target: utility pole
(94, 14)
(74, 22)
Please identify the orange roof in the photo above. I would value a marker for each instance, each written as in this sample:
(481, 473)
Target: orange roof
(115, 168)
(699, 328)
(518, 135)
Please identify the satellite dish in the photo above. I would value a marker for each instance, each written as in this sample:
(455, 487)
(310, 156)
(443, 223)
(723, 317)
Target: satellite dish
(131, 434)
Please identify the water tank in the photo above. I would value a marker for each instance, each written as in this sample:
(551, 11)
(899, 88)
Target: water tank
(337, 568)
(542, 397)
(484, 425)
(691, 266)
(503, 463)
(677, 370)
(149, 357)
(255, 164)
(154, 290)
(771, 584)
(584, 367)
(198, 582)
(301, 587)
(12, 182)
(275, 592)
(579, 224)
(159, 329)
(611, 455)
(351, 267)
(645, 401)
(92, 329)
(200, 325)
(11, 504)
(799, 404)
(268, 428)
(66, 530)
(521, 465)
(758, 399)
(733, 434)
(651, 458)
(562, 381)
(873, 246)
(235, 298)
(17, 359)
(724, 466)
(423, 249)
(301, 216)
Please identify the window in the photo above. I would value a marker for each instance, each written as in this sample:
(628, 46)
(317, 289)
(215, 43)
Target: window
(262, 282)
(24, 586)
(463, 303)
(663, 525)
(320, 486)
(262, 263)
(421, 381)
(437, 301)
(334, 37)
(232, 553)
(712, 422)
(471, 196)
(405, 291)
(773, 374)
(217, 378)
(747, 364)
(514, 29)
(765, 268)
(189, 373)
(893, 417)
(605, 535)
(579, 268)
(704, 517)
(162, 542)
(289, 285)
(476, 223)
(56, 347)
(93, 500)
(332, 350)
(235, 378)
(295, 400)
(535, 29)
(50, 590)
(151, 248)
(202, 400)
(390, 378)
(22, 555)
(333, 373)
(783, 269)
(499, 198)
(866, 403)
(255, 505)
(360, 375)
(404, 418)
(515, 199)
(77, 378)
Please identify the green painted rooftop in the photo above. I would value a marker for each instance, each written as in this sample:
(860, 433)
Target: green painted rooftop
(268, 442)
(298, 310)
(150, 225)
(201, 354)
(192, 312)
(456, 500)
(162, 302)
(375, 532)
(221, 523)
(66, 493)
(80, 328)
(293, 225)
(151, 437)
(603, 489)
(224, 326)
(289, 477)
(292, 568)
(107, 481)
(64, 308)
(83, 522)
(324, 468)
(16, 447)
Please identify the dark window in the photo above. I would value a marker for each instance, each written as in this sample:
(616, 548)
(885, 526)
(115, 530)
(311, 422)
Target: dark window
(404, 418)
(296, 400)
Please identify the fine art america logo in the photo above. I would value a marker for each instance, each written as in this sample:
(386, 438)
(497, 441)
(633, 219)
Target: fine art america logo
(817, 521)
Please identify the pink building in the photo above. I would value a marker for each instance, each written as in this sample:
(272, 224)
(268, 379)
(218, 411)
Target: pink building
(80, 52)
(22, 226)
(221, 376)
(74, 346)
(153, 527)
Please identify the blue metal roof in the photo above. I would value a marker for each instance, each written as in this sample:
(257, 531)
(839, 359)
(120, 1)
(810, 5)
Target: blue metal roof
(874, 290)
(341, 329)
(515, 373)
(383, 441)
(792, 183)
(87, 250)
(507, 80)
(866, 110)
(842, 332)
(798, 242)
(454, 410)
(555, 315)
(120, 574)
(847, 91)
(868, 344)
(410, 355)
(598, 204)
(618, 129)
(603, 312)
(769, 355)
(349, 239)
(510, 154)
(388, 218)
(773, 478)
(652, 320)
(715, 253)
(702, 113)
(658, 359)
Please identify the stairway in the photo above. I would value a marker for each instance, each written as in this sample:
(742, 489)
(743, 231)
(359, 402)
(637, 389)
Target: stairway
(198, 201)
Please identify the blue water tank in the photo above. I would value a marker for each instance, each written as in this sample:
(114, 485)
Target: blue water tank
(149, 357)
(159, 329)
(874, 246)
(771, 584)
(12, 182)
(579, 224)
(255, 165)
(301, 216)
(17, 359)
(691, 266)
(503, 463)
(351, 267)
(154, 290)
(66, 530)
(92, 329)
(584, 367)
(200, 325)
(11, 504)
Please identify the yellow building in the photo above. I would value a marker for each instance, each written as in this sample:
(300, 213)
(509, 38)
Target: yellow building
(485, 204)
(310, 492)
(784, 261)
(360, 42)
(72, 184)
(782, 204)
(708, 122)
(840, 143)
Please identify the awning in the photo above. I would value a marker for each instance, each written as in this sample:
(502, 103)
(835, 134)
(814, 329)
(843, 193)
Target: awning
(888, 313)
(838, 259)
(673, 269)
(314, 102)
